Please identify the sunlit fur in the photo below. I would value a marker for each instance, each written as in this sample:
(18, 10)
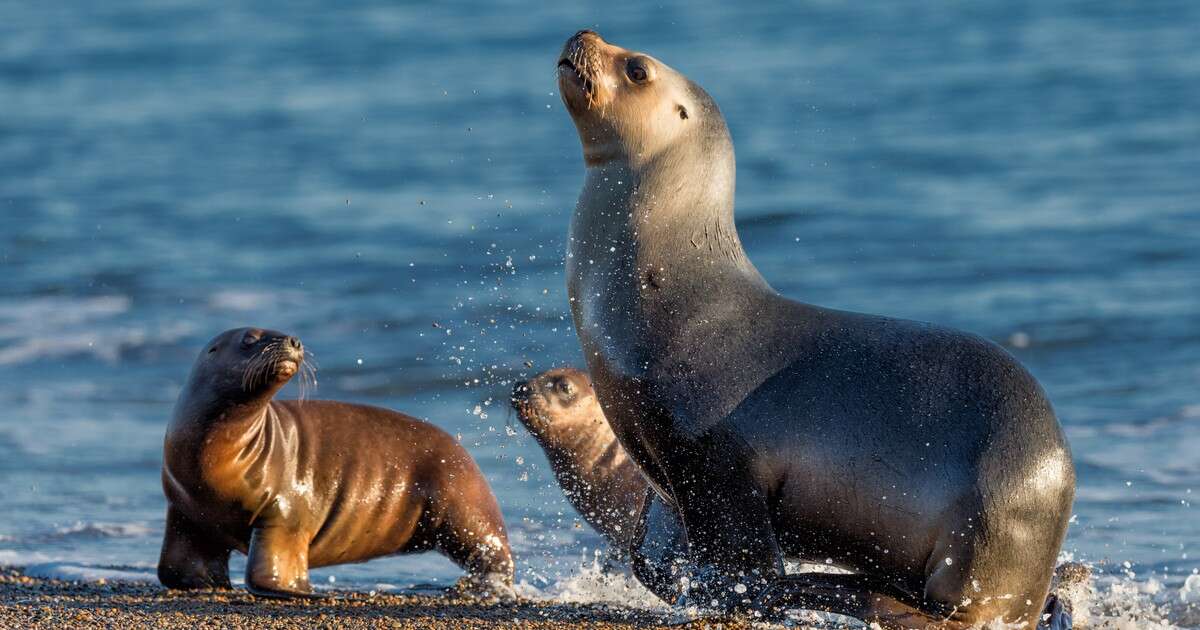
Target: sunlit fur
(618, 118)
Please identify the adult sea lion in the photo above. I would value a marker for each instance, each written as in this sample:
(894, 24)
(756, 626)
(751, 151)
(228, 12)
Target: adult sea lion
(306, 484)
(560, 409)
(925, 459)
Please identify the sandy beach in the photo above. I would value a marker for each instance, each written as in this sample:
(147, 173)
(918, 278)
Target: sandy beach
(29, 602)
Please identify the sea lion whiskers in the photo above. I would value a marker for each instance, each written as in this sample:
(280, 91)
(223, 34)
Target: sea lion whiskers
(269, 362)
(259, 366)
(585, 63)
(249, 371)
(308, 375)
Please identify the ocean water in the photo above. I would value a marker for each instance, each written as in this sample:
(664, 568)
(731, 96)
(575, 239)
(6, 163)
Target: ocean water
(356, 173)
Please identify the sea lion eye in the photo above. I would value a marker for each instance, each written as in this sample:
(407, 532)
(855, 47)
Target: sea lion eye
(564, 387)
(251, 338)
(639, 71)
(212, 349)
(683, 115)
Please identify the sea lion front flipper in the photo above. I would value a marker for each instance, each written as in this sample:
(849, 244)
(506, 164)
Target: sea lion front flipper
(1056, 615)
(731, 542)
(658, 548)
(191, 558)
(277, 563)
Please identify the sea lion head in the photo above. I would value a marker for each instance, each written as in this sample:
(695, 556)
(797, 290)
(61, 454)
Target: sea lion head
(243, 365)
(632, 107)
(556, 402)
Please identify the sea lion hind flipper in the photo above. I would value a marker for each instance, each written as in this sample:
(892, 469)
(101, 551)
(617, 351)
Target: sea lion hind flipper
(190, 559)
(854, 595)
(277, 564)
(474, 537)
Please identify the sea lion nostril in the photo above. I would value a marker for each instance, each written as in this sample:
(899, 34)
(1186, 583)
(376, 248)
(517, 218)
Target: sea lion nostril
(520, 391)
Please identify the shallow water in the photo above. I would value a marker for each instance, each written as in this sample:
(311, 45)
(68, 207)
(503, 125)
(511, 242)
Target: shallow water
(354, 175)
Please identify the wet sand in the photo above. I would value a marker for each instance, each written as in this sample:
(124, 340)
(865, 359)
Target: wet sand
(28, 602)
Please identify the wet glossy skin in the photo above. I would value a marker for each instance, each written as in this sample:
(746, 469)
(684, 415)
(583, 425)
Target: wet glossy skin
(925, 459)
(313, 483)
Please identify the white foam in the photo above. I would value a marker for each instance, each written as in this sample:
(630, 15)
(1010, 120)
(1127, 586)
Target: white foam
(70, 572)
(593, 584)
(1190, 591)
(91, 530)
(15, 558)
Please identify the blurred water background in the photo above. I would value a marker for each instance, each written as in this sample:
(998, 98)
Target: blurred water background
(355, 173)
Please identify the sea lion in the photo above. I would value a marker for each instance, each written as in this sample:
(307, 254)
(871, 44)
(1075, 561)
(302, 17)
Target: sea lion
(925, 459)
(560, 410)
(299, 484)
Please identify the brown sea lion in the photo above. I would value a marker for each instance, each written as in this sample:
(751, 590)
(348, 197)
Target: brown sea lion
(299, 484)
(926, 460)
(560, 410)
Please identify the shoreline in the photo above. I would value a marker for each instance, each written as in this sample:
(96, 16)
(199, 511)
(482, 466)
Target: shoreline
(33, 602)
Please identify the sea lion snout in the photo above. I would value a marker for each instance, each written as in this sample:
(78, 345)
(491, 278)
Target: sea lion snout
(293, 348)
(288, 354)
(554, 389)
(520, 393)
(585, 69)
(262, 356)
(584, 34)
(580, 42)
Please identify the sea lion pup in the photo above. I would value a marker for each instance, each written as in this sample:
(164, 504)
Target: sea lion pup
(925, 459)
(297, 484)
(560, 410)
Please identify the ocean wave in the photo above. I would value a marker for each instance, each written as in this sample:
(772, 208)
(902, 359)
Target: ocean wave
(55, 327)
(89, 530)
(57, 311)
(70, 572)
(253, 299)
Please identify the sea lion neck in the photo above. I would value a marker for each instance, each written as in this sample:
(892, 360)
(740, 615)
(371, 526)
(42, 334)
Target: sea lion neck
(675, 207)
(200, 412)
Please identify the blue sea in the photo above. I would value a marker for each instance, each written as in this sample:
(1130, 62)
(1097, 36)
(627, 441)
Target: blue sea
(392, 183)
